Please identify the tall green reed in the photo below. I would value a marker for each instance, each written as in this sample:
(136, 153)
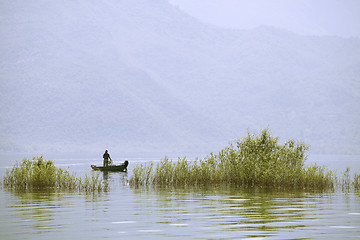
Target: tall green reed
(39, 173)
(258, 160)
(357, 181)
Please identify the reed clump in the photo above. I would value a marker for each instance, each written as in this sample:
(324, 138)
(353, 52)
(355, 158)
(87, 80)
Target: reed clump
(39, 173)
(255, 161)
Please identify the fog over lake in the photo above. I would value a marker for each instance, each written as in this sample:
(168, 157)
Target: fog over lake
(141, 76)
(148, 79)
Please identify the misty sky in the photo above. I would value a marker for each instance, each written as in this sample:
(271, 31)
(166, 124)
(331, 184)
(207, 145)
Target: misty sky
(309, 17)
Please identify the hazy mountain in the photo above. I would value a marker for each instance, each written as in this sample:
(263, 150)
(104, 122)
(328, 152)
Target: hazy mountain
(143, 76)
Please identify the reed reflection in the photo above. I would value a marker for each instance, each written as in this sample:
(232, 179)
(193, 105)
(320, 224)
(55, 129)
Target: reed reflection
(227, 209)
(48, 211)
(114, 179)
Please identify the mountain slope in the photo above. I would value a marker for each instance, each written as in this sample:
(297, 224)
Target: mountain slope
(143, 75)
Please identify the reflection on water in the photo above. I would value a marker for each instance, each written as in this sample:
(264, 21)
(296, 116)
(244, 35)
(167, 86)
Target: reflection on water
(178, 213)
(230, 213)
(40, 213)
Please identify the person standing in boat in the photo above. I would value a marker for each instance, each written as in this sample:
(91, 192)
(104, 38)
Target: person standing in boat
(106, 157)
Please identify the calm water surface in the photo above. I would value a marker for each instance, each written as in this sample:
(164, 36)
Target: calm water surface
(207, 213)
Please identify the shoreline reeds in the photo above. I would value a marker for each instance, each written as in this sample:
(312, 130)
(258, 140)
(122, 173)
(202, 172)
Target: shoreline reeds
(38, 173)
(257, 161)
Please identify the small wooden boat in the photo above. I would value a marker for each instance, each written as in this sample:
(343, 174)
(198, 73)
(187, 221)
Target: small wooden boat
(112, 168)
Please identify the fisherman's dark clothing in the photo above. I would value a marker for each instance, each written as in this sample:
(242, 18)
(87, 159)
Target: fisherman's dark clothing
(106, 157)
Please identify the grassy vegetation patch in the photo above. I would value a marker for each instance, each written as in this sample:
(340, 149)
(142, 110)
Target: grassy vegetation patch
(255, 161)
(39, 173)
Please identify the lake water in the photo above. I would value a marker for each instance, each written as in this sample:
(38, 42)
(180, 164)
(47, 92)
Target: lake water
(179, 213)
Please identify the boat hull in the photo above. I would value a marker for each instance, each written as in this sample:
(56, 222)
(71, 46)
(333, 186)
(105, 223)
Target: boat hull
(113, 168)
